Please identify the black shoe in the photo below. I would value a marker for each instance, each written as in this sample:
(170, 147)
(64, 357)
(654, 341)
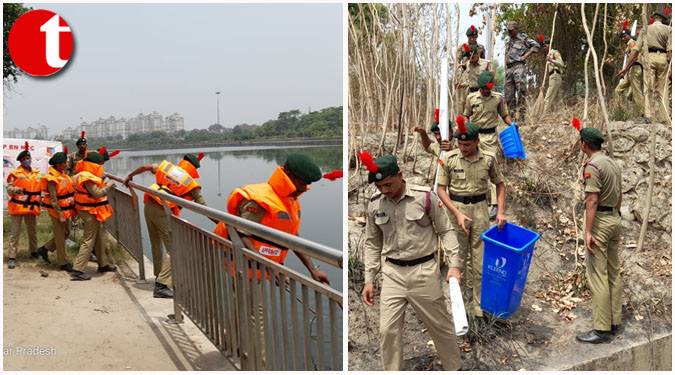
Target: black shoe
(493, 212)
(594, 336)
(11, 263)
(616, 329)
(34, 255)
(92, 257)
(107, 268)
(67, 267)
(162, 291)
(78, 275)
(42, 251)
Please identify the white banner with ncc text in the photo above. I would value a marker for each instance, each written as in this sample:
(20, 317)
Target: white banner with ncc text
(40, 152)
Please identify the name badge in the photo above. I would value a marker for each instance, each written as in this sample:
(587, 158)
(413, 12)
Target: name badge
(270, 251)
(459, 174)
(380, 214)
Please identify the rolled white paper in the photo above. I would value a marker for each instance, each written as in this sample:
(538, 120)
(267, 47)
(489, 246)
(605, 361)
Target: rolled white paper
(458, 311)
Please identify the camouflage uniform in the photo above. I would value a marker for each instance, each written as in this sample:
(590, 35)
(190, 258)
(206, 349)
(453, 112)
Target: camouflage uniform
(516, 80)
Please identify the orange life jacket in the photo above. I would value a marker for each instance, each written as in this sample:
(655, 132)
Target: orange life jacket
(65, 193)
(84, 201)
(28, 202)
(281, 212)
(173, 180)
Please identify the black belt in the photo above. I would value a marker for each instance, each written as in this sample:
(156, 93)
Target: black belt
(605, 208)
(514, 63)
(657, 50)
(26, 203)
(487, 131)
(412, 262)
(71, 207)
(474, 89)
(468, 199)
(103, 203)
(68, 195)
(554, 71)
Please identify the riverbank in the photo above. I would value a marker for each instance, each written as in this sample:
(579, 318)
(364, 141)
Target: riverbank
(255, 143)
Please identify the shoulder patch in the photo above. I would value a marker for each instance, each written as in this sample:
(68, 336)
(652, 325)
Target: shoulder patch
(587, 175)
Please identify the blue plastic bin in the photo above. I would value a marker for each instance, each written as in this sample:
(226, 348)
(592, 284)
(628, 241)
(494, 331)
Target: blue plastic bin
(506, 261)
(511, 142)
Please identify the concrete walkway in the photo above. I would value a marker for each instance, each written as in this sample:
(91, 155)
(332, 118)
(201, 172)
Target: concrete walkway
(111, 322)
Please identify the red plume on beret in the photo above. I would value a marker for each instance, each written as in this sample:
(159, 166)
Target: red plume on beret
(114, 153)
(200, 156)
(65, 150)
(667, 11)
(26, 146)
(367, 160)
(436, 111)
(625, 24)
(576, 123)
(466, 47)
(334, 175)
(102, 150)
(461, 128)
(82, 135)
(651, 20)
(490, 85)
(473, 28)
(541, 37)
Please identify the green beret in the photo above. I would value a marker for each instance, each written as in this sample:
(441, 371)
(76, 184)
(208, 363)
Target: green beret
(484, 78)
(80, 140)
(59, 157)
(23, 154)
(192, 159)
(471, 132)
(662, 14)
(105, 154)
(547, 41)
(94, 157)
(303, 167)
(624, 32)
(470, 32)
(434, 127)
(591, 134)
(386, 166)
(472, 49)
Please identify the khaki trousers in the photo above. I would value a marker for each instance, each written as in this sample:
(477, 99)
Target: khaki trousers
(462, 94)
(58, 241)
(658, 62)
(632, 80)
(420, 286)
(158, 231)
(15, 221)
(473, 244)
(92, 239)
(602, 271)
(553, 97)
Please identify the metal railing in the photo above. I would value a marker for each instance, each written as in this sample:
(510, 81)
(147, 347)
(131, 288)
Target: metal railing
(125, 225)
(283, 321)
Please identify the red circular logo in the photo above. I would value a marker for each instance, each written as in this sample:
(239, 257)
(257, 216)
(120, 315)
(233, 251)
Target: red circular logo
(40, 42)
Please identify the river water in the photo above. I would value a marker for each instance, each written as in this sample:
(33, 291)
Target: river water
(225, 168)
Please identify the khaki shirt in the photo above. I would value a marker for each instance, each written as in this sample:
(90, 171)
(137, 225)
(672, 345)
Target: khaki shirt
(658, 36)
(485, 112)
(74, 158)
(556, 61)
(403, 230)
(602, 175)
(517, 47)
(467, 178)
(434, 149)
(461, 59)
(470, 75)
(631, 46)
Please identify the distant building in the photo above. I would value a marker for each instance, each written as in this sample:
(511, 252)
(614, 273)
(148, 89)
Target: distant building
(123, 127)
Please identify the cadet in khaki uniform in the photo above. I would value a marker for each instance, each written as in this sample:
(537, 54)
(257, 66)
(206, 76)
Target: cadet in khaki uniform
(77, 156)
(466, 174)
(659, 45)
(633, 79)
(439, 145)
(602, 181)
(553, 97)
(402, 229)
(463, 57)
(487, 109)
(469, 80)
(178, 180)
(24, 190)
(60, 203)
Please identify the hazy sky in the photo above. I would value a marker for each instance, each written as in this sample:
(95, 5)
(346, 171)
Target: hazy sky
(128, 58)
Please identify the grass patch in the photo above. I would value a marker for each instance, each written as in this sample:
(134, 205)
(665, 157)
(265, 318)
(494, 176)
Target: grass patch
(115, 253)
